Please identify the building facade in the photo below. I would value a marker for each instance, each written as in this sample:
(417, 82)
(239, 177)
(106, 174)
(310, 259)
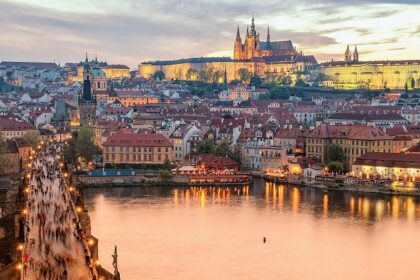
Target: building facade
(397, 166)
(354, 74)
(129, 147)
(354, 141)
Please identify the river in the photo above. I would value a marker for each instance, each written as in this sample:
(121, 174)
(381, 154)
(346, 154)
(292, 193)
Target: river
(217, 233)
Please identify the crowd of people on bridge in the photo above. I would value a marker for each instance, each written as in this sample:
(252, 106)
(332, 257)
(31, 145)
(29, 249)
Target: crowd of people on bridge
(54, 238)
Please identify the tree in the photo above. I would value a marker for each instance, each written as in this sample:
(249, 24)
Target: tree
(335, 153)
(70, 152)
(167, 165)
(335, 166)
(85, 144)
(205, 147)
(286, 81)
(244, 75)
(165, 175)
(223, 149)
(255, 81)
(301, 83)
(413, 83)
(192, 75)
(80, 145)
(159, 75)
(32, 137)
(217, 76)
(320, 78)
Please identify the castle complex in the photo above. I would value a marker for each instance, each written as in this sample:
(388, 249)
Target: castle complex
(259, 58)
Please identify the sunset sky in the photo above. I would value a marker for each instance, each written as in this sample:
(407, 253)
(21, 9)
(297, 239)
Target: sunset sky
(132, 31)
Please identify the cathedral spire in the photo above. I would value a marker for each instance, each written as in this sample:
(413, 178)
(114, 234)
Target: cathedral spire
(347, 54)
(247, 31)
(355, 54)
(86, 60)
(238, 35)
(253, 32)
(268, 34)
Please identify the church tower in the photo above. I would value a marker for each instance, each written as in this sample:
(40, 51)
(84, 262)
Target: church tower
(87, 101)
(237, 48)
(355, 55)
(347, 55)
(268, 37)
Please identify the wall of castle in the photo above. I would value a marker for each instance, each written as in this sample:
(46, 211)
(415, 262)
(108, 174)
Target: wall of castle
(178, 71)
(373, 76)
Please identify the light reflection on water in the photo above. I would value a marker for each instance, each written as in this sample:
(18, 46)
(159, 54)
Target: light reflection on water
(216, 232)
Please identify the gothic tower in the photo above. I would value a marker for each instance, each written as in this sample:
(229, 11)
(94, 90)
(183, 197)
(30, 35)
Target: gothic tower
(237, 49)
(347, 55)
(355, 54)
(268, 37)
(87, 101)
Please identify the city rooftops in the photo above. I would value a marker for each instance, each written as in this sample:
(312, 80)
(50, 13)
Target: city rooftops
(37, 65)
(352, 132)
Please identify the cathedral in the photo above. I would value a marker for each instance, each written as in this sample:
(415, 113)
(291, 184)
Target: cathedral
(254, 48)
(87, 99)
(349, 57)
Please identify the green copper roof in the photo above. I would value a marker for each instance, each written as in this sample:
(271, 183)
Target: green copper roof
(96, 72)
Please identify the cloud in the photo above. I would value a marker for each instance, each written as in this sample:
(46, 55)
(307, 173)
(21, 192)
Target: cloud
(132, 31)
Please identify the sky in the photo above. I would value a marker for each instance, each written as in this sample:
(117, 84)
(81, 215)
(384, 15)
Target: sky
(133, 31)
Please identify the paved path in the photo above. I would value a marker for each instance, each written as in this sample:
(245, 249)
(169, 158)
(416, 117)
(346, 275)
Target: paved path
(54, 249)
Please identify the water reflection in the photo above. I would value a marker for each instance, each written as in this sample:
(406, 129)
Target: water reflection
(160, 232)
(332, 204)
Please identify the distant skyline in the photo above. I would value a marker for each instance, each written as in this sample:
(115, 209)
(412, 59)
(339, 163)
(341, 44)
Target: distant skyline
(129, 32)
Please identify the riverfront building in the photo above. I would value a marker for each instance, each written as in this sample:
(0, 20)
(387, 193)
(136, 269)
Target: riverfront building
(354, 74)
(397, 166)
(129, 147)
(354, 141)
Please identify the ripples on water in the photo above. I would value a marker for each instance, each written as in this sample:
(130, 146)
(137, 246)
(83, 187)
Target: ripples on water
(153, 219)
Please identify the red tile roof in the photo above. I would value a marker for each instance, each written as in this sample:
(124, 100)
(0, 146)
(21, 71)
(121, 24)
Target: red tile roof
(389, 160)
(14, 125)
(356, 132)
(128, 139)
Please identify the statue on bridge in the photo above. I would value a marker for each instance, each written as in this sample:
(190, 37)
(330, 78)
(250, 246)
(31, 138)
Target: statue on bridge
(115, 264)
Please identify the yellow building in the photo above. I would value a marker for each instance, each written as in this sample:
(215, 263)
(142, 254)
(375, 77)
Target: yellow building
(355, 74)
(116, 71)
(397, 166)
(277, 65)
(128, 147)
(354, 141)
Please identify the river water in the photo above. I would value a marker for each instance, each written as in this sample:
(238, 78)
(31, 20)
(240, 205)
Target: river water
(217, 233)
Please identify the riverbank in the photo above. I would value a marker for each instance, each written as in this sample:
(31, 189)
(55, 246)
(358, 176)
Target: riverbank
(157, 180)
(364, 189)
